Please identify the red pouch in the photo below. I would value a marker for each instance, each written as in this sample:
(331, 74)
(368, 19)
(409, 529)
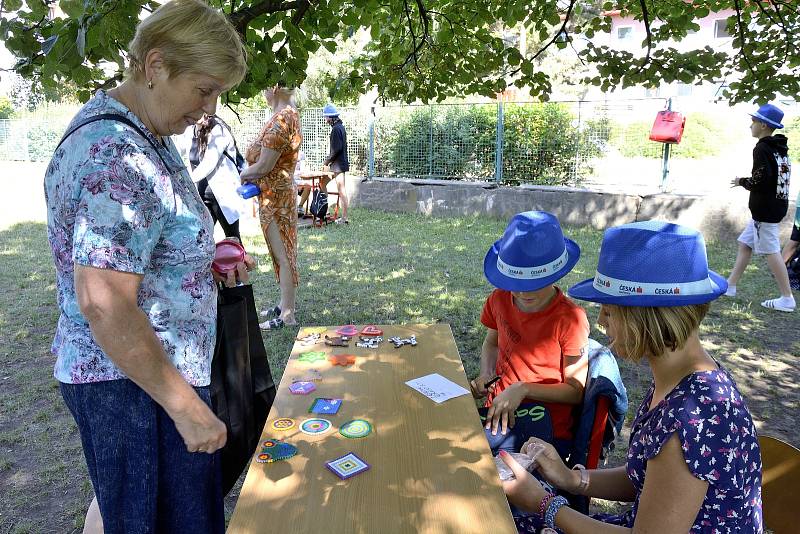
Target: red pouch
(668, 127)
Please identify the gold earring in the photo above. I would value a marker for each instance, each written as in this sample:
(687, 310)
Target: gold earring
(149, 84)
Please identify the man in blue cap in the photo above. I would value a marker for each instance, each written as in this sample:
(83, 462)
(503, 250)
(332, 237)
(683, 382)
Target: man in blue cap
(337, 158)
(769, 201)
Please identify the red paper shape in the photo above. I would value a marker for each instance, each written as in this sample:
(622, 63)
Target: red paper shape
(347, 330)
(342, 359)
(371, 330)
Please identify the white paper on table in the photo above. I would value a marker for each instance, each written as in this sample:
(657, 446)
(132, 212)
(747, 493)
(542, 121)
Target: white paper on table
(437, 388)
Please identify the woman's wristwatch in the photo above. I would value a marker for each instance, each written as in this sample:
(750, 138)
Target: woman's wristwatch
(583, 485)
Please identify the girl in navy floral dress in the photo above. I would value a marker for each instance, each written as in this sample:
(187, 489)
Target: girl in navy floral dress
(694, 463)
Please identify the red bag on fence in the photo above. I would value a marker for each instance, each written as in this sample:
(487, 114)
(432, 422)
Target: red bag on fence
(668, 127)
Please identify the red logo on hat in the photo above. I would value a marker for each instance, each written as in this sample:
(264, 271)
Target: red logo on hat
(677, 291)
(608, 284)
(639, 289)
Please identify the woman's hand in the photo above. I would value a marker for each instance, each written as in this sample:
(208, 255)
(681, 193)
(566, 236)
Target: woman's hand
(547, 462)
(501, 412)
(200, 429)
(523, 491)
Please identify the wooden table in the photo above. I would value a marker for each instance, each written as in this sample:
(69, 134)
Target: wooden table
(431, 469)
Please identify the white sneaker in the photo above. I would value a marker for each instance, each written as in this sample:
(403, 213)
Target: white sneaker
(784, 304)
(731, 291)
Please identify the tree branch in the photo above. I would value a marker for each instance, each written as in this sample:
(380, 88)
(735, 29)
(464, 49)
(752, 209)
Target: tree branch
(741, 36)
(242, 18)
(649, 33)
(563, 29)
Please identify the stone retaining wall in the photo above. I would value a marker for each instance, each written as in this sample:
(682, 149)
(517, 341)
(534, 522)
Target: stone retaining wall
(720, 217)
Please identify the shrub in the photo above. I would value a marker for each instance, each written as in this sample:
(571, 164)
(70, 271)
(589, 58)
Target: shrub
(42, 140)
(704, 136)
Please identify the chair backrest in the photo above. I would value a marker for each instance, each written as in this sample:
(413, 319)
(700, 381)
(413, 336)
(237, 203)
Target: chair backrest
(780, 480)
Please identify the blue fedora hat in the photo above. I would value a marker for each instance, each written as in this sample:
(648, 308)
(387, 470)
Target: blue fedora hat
(532, 254)
(330, 111)
(770, 115)
(651, 263)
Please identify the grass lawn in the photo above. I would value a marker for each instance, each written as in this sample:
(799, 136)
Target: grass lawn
(382, 268)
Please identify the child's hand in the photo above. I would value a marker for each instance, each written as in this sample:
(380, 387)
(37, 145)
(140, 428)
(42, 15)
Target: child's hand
(478, 386)
(501, 412)
(523, 491)
(550, 465)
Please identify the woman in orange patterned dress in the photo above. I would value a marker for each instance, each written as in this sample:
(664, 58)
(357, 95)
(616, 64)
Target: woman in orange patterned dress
(272, 158)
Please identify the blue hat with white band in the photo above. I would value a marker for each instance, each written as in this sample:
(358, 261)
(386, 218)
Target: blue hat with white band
(330, 111)
(651, 263)
(533, 253)
(770, 115)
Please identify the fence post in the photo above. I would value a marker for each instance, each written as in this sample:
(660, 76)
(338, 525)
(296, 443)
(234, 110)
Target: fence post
(430, 141)
(578, 145)
(371, 164)
(498, 151)
(665, 157)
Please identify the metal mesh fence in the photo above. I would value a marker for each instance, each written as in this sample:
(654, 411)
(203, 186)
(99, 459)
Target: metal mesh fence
(599, 143)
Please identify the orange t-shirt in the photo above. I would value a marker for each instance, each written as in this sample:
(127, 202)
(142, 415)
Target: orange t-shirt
(532, 346)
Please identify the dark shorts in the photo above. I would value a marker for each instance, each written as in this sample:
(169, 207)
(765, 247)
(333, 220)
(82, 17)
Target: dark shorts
(144, 479)
(795, 233)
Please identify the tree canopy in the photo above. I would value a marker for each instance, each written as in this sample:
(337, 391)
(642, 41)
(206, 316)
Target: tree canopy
(429, 50)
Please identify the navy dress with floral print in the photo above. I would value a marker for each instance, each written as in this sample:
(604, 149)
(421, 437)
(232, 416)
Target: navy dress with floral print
(720, 446)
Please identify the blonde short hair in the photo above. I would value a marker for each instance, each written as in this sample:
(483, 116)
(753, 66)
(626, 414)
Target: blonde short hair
(654, 330)
(193, 37)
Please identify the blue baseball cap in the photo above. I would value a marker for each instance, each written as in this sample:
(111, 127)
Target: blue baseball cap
(770, 115)
(533, 253)
(651, 263)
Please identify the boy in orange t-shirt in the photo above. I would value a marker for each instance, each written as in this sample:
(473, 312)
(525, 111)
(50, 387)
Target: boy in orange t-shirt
(536, 340)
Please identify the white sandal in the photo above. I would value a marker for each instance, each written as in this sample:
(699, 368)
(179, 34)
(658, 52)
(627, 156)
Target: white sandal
(773, 304)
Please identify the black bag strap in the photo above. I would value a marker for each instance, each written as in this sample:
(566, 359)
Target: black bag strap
(235, 146)
(118, 118)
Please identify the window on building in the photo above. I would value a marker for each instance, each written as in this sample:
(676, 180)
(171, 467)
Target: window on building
(652, 92)
(624, 33)
(684, 89)
(721, 28)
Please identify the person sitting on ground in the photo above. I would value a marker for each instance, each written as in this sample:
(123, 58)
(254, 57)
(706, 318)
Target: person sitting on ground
(769, 201)
(536, 337)
(693, 462)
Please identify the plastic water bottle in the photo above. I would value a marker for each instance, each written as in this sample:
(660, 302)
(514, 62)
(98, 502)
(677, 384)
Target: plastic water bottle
(248, 190)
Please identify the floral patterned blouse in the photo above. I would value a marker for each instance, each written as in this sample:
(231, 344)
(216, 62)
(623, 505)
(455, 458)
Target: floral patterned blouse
(719, 444)
(113, 204)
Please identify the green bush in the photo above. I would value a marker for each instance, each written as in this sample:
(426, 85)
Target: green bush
(446, 141)
(704, 136)
(6, 108)
(792, 131)
(42, 140)
(543, 145)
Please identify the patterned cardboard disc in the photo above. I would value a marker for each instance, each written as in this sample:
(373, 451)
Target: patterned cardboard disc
(315, 426)
(273, 450)
(357, 428)
(284, 423)
(311, 330)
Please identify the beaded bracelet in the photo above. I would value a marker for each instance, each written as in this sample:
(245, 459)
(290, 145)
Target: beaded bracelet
(545, 503)
(552, 509)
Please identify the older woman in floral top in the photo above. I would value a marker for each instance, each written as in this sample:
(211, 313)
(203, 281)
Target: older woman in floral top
(694, 464)
(133, 246)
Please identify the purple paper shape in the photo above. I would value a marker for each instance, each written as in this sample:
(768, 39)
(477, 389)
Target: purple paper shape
(325, 406)
(302, 388)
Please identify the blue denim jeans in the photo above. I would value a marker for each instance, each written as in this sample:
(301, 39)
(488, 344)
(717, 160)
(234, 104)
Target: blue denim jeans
(144, 478)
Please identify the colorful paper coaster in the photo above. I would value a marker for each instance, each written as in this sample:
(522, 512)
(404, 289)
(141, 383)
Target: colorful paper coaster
(311, 330)
(357, 428)
(371, 330)
(273, 450)
(312, 375)
(342, 359)
(315, 426)
(284, 423)
(302, 388)
(347, 466)
(347, 330)
(312, 356)
(325, 406)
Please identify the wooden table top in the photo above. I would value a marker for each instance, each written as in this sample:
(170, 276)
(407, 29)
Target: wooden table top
(431, 468)
(315, 174)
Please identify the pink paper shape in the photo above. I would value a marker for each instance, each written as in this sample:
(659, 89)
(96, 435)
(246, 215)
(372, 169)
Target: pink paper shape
(302, 388)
